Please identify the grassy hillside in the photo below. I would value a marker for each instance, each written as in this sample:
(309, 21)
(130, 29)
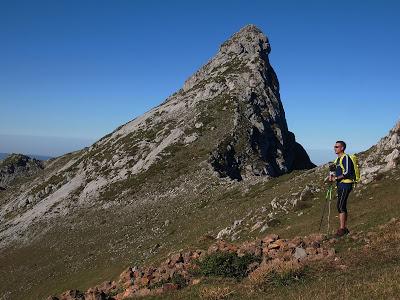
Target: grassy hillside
(93, 246)
(370, 255)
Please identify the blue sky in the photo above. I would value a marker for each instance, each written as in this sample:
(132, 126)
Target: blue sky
(72, 71)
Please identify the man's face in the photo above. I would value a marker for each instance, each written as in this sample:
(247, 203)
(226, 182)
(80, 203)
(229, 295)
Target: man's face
(338, 148)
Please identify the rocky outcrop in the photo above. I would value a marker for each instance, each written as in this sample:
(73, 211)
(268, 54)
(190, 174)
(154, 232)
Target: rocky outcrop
(16, 166)
(260, 142)
(382, 157)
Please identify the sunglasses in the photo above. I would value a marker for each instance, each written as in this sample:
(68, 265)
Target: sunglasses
(336, 146)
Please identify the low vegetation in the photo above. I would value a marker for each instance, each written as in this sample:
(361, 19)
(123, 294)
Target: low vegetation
(226, 264)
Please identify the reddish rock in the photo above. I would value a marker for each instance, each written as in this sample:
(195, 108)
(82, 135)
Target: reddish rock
(272, 253)
(270, 238)
(314, 240)
(295, 242)
(125, 278)
(165, 276)
(72, 295)
(144, 281)
(106, 286)
(176, 258)
(254, 247)
(311, 251)
(273, 246)
(169, 287)
(95, 295)
(195, 255)
(143, 292)
(128, 293)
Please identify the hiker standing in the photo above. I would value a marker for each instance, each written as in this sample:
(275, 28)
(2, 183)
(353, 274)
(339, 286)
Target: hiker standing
(344, 177)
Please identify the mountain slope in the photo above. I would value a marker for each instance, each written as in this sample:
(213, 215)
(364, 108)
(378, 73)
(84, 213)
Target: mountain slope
(365, 263)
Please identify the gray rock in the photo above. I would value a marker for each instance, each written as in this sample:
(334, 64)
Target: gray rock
(299, 253)
(382, 157)
(18, 165)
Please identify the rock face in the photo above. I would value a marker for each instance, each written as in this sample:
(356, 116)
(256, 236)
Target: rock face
(17, 165)
(382, 157)
(260, 142)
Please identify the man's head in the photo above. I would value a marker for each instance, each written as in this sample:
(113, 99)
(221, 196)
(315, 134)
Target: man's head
(339, 147)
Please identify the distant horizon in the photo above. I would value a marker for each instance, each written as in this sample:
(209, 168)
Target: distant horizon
(318, 156)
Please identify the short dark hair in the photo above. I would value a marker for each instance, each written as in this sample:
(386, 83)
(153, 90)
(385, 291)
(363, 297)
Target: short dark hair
(342, 143)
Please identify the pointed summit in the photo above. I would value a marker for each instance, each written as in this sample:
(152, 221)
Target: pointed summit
(248, 40)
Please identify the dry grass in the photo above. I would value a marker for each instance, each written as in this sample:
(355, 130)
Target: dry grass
(215, 293)
(280, 273)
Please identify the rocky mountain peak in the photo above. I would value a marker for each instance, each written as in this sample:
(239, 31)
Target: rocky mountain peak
(249, 41)
(245, 50)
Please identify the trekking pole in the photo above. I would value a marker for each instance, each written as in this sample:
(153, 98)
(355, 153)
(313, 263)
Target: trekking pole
(327, 196)
(329, 193)
(323, 214)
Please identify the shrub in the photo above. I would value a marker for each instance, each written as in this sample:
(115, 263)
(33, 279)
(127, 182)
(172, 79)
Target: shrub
(179, 280)
(226, 264)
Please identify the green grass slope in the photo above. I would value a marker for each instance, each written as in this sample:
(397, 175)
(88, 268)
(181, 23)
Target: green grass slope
(76, 255)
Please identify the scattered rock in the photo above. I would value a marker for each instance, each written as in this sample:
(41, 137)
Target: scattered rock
(299, 253)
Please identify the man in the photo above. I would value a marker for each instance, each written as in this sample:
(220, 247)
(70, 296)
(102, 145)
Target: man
(344, 177)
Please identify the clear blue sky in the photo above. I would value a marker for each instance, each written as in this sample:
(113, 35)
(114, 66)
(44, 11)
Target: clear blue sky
(75, 70)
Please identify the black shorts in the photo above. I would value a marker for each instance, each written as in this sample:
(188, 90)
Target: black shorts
(343, 191)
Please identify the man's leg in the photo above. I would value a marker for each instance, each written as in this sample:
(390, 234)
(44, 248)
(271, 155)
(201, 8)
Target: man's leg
(343, 194)
(343, 219)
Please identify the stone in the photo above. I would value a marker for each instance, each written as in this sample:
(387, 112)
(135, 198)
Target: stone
(311, 251)
(331, 252)
(126, 277)
(299, 253)
(270, 238)
(169, 287)
(143, 292)
(95, 295)
(306, 193)
(195, 281)
(72, 295)
(264, 228)
(106, 286)
(176, 258)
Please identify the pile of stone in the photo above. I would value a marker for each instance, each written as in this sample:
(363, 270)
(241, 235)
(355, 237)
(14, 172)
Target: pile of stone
(175, 272)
